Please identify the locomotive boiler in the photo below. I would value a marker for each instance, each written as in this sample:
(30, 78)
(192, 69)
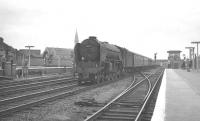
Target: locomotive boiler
(97, 61)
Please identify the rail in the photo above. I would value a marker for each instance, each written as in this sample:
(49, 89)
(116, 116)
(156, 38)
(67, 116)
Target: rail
(131, 88)
(95, 115)
(138, 118)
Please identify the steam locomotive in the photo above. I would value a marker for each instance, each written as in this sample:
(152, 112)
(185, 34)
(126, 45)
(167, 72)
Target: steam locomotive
(98, 61)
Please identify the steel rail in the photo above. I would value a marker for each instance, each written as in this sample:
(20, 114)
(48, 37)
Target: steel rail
(22, 97)
(47, 99)
(149, 86)
(30, 80)
(98, 113)
(37, 85)
(34, 82)
(33, 103)
(147, 99)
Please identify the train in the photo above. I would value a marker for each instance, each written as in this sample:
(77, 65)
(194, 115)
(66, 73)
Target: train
(97, 61)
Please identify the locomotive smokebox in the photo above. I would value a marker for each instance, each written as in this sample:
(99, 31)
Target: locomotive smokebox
(92, 37)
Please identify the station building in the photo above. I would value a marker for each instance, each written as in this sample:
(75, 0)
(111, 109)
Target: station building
(174, 59)
(36, 58)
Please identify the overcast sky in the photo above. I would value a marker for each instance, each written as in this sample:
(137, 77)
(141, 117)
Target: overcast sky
(142, 26)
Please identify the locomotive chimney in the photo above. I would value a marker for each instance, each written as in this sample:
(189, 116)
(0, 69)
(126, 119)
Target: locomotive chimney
(92, 37)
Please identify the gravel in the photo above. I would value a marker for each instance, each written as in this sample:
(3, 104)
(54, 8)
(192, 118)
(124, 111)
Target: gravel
(66, 110)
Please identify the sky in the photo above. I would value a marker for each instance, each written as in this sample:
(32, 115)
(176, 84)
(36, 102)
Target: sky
(142, 26)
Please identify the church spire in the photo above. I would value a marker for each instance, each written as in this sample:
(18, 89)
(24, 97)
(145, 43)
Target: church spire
(76, 40)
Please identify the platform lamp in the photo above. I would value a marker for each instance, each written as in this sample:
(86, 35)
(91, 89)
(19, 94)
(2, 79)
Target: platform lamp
(29, 54)
(197, 42)
(29, 58)
(155, 56)
(191, 54)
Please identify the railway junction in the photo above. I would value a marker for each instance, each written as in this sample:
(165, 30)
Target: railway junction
(178, 99)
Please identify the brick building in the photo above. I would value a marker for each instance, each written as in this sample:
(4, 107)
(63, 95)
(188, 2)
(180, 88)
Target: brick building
(36, 58)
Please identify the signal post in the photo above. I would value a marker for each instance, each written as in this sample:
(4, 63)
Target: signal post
(197, 42)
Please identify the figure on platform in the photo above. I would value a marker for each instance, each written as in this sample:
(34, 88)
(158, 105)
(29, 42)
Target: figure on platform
(187, 65)
(183, 65)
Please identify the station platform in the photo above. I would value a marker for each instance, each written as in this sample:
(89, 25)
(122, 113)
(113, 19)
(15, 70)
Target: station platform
(179, 96)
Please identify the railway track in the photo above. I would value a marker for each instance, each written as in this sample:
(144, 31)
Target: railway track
(19, 96)
(8, 91)
(130, 104)
(5, 83)
(22, 102)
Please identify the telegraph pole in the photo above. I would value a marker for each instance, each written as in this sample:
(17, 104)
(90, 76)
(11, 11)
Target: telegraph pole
(29, 55)
(191, 54)
(197, 42)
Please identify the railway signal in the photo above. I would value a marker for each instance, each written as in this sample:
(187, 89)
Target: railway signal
(155, 56)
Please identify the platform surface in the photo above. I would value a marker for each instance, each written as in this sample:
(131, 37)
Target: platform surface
(179, 96)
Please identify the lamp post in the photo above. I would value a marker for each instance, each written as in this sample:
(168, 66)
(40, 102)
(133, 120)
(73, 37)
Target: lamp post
(155, 56)
(191, 54)
(197, 42)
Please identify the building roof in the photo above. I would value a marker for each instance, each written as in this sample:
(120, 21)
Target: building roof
(58, 51)
(174, 51)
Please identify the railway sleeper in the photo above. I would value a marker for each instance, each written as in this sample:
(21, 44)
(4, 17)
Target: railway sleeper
(120, 114)
(132, 103)
(147, 113)
(32, 95)
(131, 100)
(126, 108)
(126, 105)
(100, 119)
(114, 118)
(122, 110)
(150, 110)
(146, 118)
